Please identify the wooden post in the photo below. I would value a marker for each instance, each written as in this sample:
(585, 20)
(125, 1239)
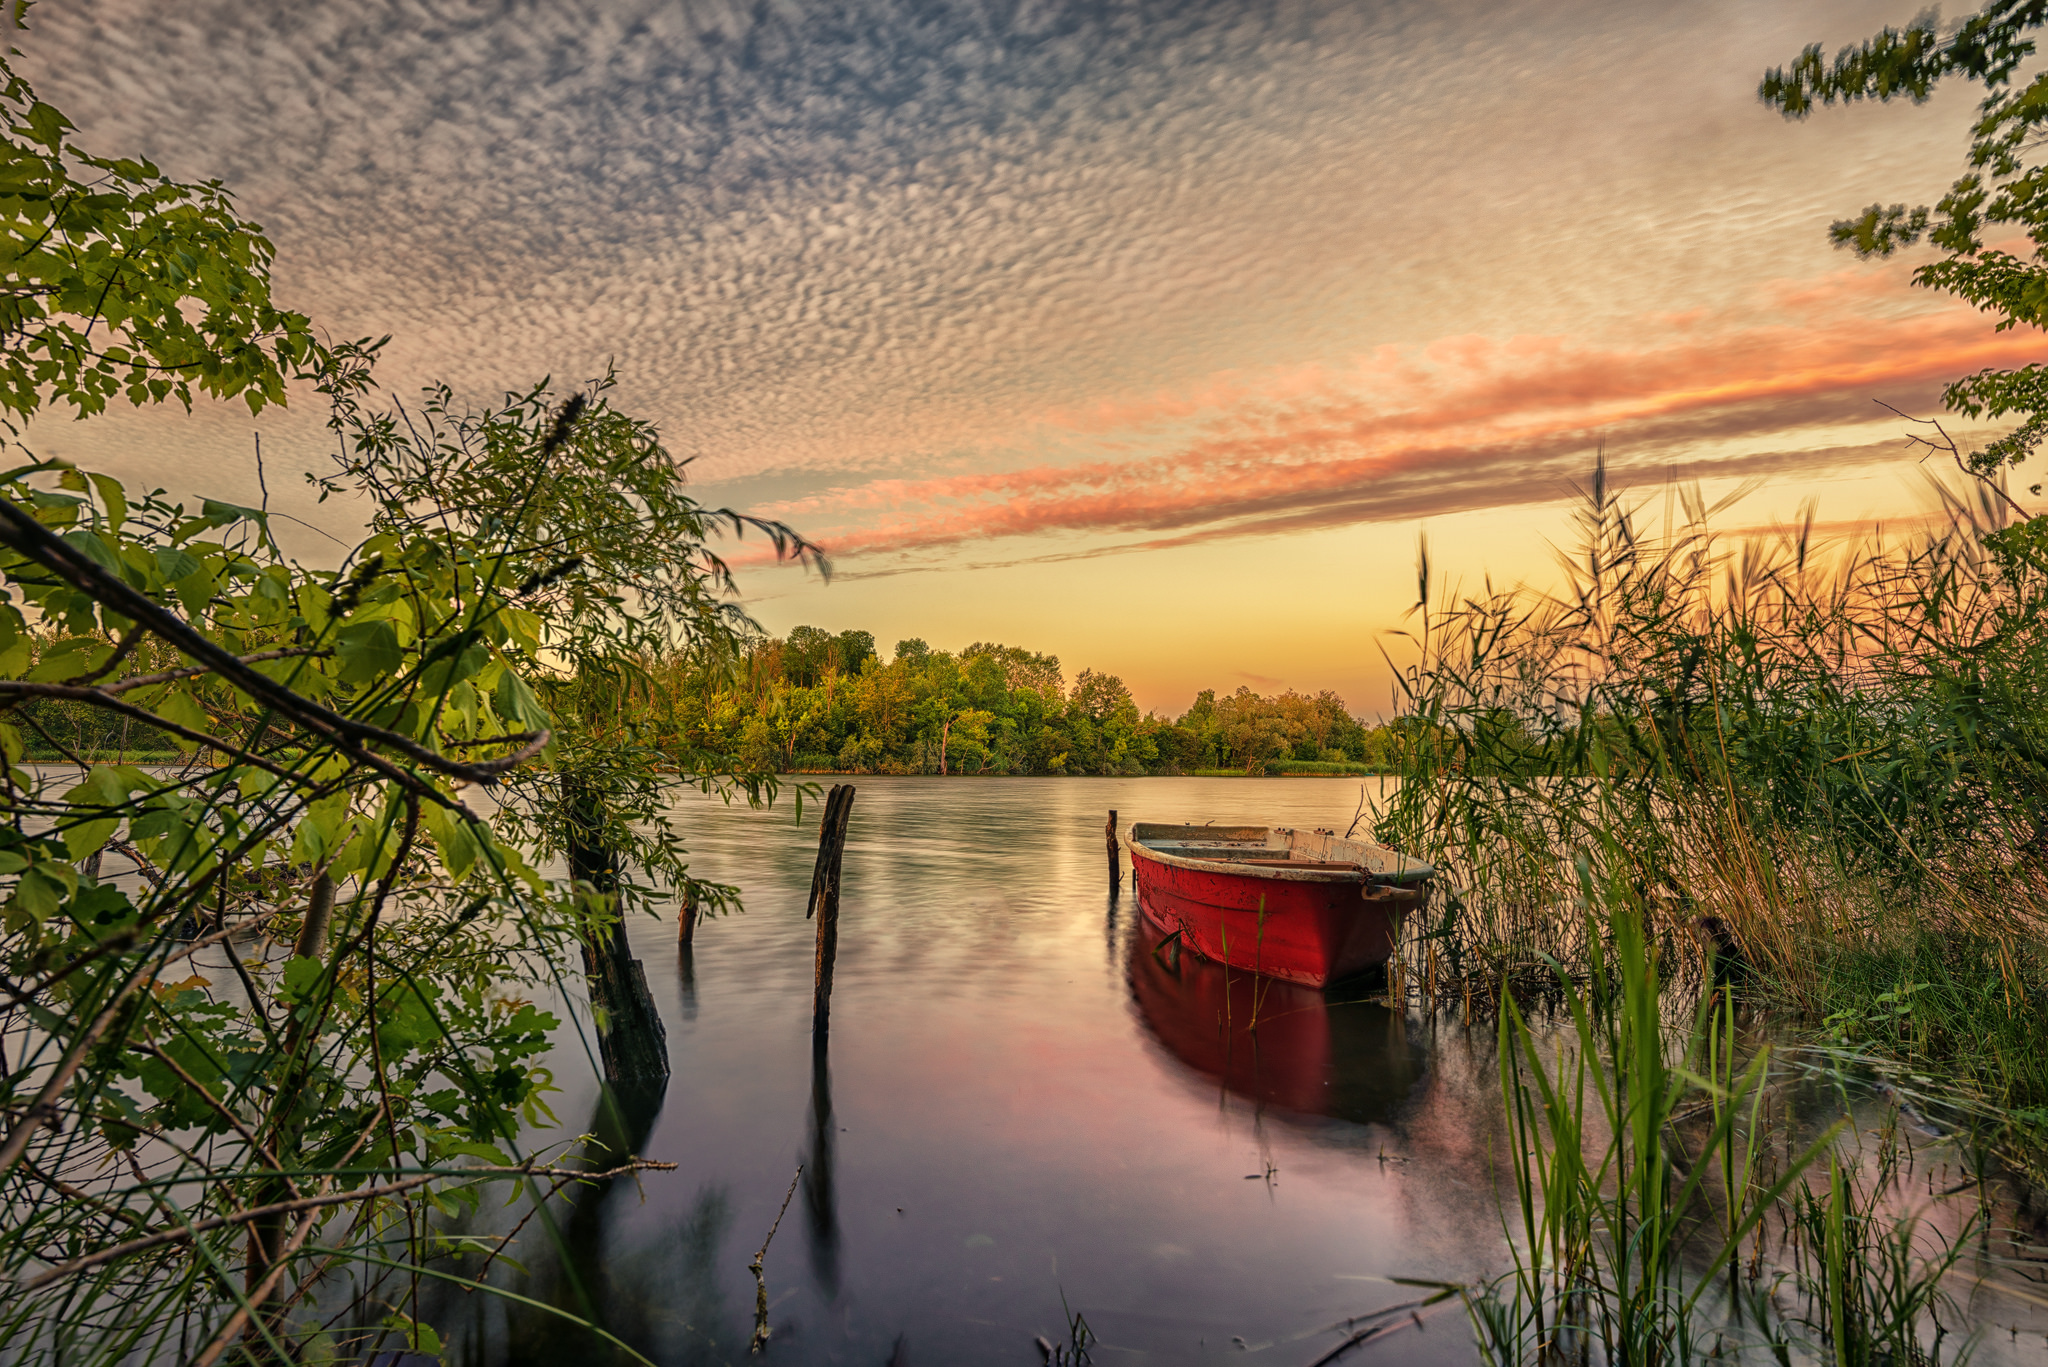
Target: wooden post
(686, 919)
(825, 901)
(1116, 866)
(821, 1195)
(312, 941)
(631, 1040)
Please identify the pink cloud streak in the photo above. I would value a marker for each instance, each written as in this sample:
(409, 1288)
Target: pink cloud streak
(1463, 422)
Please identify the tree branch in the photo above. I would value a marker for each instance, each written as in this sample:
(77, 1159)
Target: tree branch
(21, 533)
(309, 1203)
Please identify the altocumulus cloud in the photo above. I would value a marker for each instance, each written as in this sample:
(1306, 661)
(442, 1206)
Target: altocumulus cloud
(905, 264)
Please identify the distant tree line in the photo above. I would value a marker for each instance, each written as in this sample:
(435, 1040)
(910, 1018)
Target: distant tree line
(819, 700)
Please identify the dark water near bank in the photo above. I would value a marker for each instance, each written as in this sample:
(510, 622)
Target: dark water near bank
(1019, 1104)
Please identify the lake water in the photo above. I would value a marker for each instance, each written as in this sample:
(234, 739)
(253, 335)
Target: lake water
(1021, 1109)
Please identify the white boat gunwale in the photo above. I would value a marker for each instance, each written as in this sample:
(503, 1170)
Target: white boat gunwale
(1324, 858)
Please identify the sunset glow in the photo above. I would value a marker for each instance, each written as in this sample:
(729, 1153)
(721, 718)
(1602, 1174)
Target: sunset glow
(1051, 321)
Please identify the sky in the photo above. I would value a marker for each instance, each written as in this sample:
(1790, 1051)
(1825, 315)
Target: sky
(1151, 335)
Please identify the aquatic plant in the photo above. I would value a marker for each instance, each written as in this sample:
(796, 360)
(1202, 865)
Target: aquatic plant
(1817, 767)
(1639, 1167)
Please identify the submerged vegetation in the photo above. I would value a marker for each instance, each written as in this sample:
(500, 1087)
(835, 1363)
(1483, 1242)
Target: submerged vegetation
(1667, 1206)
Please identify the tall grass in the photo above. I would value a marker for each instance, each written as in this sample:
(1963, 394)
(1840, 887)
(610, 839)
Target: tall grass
(1641, 1167)
(1839, 754)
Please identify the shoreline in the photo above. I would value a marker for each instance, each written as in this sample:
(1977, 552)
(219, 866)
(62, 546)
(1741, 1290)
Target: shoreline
(1200, 773)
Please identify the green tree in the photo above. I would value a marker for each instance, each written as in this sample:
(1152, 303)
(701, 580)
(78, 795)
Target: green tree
(851, 650)
(117, 281)
(806, 656)
(2003, 193)
(523, 564)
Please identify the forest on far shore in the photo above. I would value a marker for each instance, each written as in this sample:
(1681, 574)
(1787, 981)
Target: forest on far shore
(817, 700)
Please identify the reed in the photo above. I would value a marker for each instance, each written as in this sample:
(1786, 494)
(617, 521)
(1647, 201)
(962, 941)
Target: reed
(1823, 768)
(1639, 1166)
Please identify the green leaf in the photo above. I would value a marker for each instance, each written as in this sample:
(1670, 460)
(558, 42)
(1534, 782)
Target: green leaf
(104, 786)
(70, 659)
(452, 836)
(87, 837)
(46, 125)
(195, 590)
(95, 550)
(214, 513)
(17, 650)
(470, 1148)
(517, 705)
(115, 499)
(175, 564)
(524, 627)
(42, 890)
(301, 977)
(178, 706)
(368, 650)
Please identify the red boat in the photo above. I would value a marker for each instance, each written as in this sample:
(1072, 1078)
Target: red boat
(1307, 906)
(1276, 1044)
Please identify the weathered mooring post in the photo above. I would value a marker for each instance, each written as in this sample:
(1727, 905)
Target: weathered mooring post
(686, 918)
(631, 1041)
(824, 903)
(1116, 865)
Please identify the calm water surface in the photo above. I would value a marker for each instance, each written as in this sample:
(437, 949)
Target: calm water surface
(1016, 1107)
(1019, 1104)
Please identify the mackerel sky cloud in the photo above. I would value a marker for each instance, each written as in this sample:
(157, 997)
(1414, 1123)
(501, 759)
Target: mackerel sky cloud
(1195, 296)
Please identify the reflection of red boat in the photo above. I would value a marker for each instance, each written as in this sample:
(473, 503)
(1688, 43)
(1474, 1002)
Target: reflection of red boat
(1306, 906)
(1276, 1043)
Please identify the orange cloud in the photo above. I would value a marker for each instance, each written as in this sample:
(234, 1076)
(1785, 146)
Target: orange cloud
(1464, 422)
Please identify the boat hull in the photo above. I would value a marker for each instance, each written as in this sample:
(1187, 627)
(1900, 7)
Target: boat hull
(1301, 930)
(1277, 1044)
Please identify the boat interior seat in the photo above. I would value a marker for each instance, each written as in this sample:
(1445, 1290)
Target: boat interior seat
(1212, 849)
(1282, 859)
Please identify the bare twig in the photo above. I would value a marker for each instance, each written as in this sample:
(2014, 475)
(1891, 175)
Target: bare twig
(44, 1108)
(248, 1135)
(194, 671)
(760, 1339)
(1942, 441)
(122, 651)
(506, 1242)
(308, 1203)
(114, 944)
(100, 697)
(1383, 1323)
(85, 1198)
(259, 1293)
